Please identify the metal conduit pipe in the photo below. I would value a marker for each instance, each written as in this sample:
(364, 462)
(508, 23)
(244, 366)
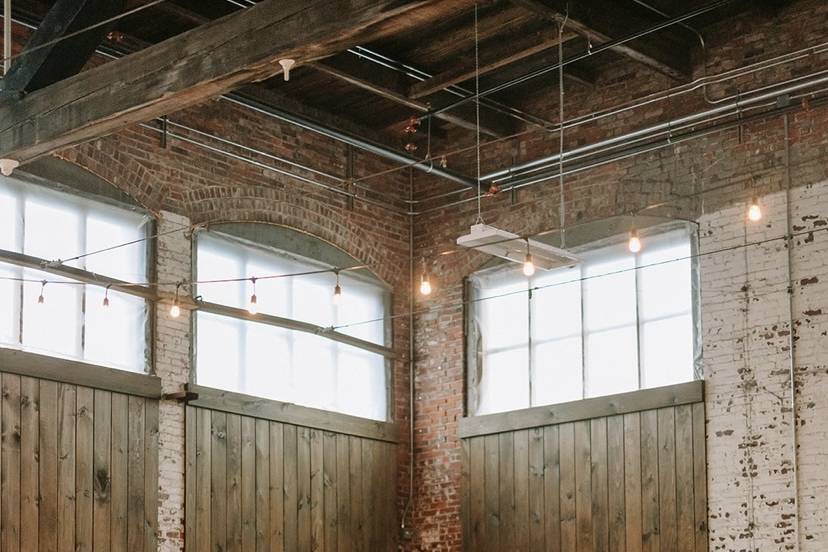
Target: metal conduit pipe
(7, 35)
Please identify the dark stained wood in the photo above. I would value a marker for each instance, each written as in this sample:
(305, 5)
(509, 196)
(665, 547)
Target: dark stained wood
(84, 459)
(48, 476)
(206, 63)
(120, 470)
(135, 480)
(247, 405)
(277, 491)
(621, 483)
(635, 401)
(262, 485)
(10, 464)
(303, 488)
(67, 396)
(218, 481)
(344, 536)
(248, 484)
(201, 484)
(234, 485)
(190, 463)
(331, 483)
(102, 471)
(291, 501)
(317, 490)
(30, 460)
(151, 422)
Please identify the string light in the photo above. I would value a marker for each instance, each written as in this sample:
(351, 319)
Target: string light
(425, 285)
(528, 264)
(337, 290)
(253, 307)
(106, 297)
(635, 241)
(175, 309)
(40, 298)
(755, 211)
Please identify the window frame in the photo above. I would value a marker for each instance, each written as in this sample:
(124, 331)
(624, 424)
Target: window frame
(474, 351)
(54, 176)
(266, 237)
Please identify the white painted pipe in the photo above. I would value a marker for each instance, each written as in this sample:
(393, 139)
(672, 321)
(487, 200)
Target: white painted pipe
(7, 38)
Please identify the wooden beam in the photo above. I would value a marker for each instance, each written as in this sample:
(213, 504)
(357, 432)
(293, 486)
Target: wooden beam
(611, 22)
(486, 127)
(506, 54)
(194, 66)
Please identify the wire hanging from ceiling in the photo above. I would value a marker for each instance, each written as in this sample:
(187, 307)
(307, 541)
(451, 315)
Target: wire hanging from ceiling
(561, 124)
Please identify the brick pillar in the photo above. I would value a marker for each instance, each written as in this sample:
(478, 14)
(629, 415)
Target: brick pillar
(172, 365)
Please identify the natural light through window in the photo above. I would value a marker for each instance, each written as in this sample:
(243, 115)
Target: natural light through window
(617, 322)
(71, 322)
(282, 364)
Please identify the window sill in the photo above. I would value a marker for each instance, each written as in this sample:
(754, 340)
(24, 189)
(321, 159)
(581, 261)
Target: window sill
(75, 372)
(269, 409)
(622, 403)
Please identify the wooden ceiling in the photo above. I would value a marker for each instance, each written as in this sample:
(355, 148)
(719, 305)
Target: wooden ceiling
(375, 88)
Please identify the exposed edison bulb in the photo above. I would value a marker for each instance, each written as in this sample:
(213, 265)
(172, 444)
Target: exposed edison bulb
(40, 298)
(337, 294)
(106, 301)
(528, 265)
(635, 242)
(253, 307)
(425, 285)
(754, 212)
(175, 310)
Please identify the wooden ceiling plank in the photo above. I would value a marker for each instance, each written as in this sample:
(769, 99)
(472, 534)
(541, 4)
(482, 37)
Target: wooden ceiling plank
(197, 65)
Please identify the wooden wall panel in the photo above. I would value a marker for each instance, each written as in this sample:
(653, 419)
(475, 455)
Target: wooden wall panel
(257, 484)
(633, 481)
(78, 468)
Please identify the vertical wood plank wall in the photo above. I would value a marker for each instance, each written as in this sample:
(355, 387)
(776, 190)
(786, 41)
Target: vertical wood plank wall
(256, 484)
(632, 482)
(77, 468)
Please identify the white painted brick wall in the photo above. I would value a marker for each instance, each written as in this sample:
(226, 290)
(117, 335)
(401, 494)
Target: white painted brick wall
(745, 317)
(172, 365)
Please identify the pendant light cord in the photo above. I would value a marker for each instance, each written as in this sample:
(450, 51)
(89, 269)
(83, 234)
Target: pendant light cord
(562, 208)
(477, 112)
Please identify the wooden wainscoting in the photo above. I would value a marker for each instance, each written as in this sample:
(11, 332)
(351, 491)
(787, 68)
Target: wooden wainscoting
(260, 481)
(609, 478)
(78, 466)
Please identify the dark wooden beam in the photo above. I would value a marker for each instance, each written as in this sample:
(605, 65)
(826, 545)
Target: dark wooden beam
(42, 62)
(197, 65)
(463, 118)
(612, 21)
(506, 53)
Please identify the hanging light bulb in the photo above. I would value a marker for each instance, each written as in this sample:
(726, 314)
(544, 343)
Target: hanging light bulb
(635, 242)
(106, 297)
(337, 290)
(528, 264)
(175, 309)
(754, 212)
(40, 298)
(425, 285)
(253, 307)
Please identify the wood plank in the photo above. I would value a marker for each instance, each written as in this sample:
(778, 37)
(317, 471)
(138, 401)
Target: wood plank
(685, 507)
(700, 477)
(491, 451)
(551, 489)
(343, 493)
(291, 501)
(67, 400)
(248, 481)
(521, 490)
(101, 469)
(317, 491)
(477, 512)
(277, 490)
(135, 476)
(569, 536)
(204, 472)
(649, 481)
(268, 409)
(633, 482)
(79, 373)
(635, 401)
(600, 485)
(151, 423)
(616, 484)
(119, 471)
(262, 462)
(537, 537)
(331, 511)
(218, 481)
(207, 63)
(667, 478)
(506, 500)
(84, 477)
(358, 509)
(303, 488)
(29, 465)
(583, 485)
(48, 476)
(190, 462)
(10, 464)
(233, 467)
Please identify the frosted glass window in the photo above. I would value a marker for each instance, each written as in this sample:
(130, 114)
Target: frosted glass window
(287, 365)
(72, 322)
(617, 322)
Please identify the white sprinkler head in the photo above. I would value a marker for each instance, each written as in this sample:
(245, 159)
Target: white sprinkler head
(7, 166)
(287, 64)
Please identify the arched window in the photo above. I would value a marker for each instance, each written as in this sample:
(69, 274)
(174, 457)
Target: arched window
(290, 350)
(60, 227)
